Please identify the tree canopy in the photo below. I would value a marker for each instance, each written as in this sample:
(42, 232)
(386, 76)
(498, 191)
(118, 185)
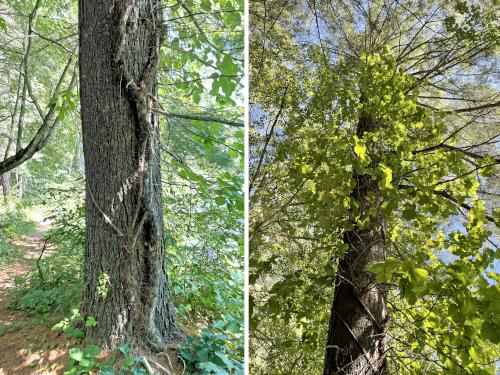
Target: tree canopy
(423, 73)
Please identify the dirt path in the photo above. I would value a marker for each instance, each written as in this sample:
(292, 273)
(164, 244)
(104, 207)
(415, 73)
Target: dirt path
(27, 343)
(30, 246)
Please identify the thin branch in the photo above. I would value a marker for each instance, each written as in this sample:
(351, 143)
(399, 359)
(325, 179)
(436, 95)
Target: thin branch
(43, 134)
(104, 216)
(268, 138)
(451, 198)
(472, 109)
(199, 118)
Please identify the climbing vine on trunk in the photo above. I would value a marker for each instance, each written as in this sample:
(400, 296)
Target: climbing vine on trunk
(125, 253)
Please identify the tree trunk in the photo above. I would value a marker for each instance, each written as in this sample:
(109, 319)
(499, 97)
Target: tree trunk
(359, 319)
(126, 286)
(5, 177)
(77, 163)
(20, 124)
(5, 186)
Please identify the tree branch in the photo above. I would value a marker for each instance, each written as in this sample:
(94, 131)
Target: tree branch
(453, 148)
(43, 134)
(462, 110)
(199, 118)
(451, 198)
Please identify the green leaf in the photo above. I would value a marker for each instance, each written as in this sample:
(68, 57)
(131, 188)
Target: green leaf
(86, 362)
(384, 270)
(228, 85)
(211, 367)
(225, 359)
(124, 349)
(490, 332)
(386, 176)
(60, 326)
(218, 324)
(92, 350)
(76, 354)
(409, 212)
(3, 25)
(127, 362)
(360, 148)
(227, 66)
(420, 274)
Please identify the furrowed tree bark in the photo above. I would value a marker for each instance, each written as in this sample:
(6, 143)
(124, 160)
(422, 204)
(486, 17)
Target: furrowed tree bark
(356, 343)
(126, 285)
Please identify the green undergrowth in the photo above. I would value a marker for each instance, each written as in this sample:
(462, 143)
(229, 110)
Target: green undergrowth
(119, 362)
(14, 223)
(57, 286)
(85, 359)
(207, 291)
(54, 286)
(217, 349)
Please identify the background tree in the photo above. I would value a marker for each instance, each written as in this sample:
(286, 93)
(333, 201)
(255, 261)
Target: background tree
(44, 98)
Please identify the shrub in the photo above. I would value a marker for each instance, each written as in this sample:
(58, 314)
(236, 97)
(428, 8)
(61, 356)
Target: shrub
(216, 351)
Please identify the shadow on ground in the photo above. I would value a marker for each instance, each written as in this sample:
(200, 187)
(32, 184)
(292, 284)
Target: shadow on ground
(27, 343)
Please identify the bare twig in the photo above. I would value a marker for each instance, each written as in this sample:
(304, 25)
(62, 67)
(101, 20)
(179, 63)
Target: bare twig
(168, 360)
(149, 369)
(168, 372)
(200, 118)
(40, 273)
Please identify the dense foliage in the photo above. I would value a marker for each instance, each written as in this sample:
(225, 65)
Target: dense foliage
(422, 71)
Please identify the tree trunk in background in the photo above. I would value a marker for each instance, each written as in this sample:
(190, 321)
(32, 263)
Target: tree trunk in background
(77, 164)
(20, 129)
(20, 124)
(126, 286)
(5, 178)
(5, 186)
(359, 319)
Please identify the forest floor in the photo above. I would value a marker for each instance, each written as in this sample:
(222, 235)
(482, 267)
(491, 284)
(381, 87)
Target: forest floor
(27, 343)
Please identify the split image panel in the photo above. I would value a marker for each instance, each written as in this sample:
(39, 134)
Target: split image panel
(234, 187)
(372, 187)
